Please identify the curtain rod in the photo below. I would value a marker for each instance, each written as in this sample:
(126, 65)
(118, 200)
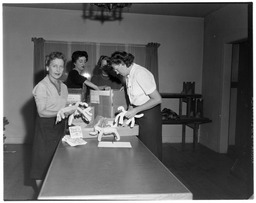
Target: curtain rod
(101, 43)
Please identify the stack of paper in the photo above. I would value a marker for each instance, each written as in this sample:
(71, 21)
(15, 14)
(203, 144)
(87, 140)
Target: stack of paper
(73, 141)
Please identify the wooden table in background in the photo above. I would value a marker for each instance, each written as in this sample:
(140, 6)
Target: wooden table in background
(193, 123)
(186, 120)
(87, 172)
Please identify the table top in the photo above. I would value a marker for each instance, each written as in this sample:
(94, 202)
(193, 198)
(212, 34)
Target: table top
(87, 172)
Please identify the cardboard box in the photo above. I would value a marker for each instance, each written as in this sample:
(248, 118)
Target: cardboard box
(106, 102)
(76, 95)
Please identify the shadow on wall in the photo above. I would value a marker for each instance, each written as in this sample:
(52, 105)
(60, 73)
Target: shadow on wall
(28, 112)
(39, 76)
(69, 67)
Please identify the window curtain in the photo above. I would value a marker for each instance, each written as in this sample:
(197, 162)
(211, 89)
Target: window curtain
(152, 60)
(145, 55)
(39, 57)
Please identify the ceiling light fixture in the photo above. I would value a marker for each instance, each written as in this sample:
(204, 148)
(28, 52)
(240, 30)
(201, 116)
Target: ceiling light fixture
(104, 12)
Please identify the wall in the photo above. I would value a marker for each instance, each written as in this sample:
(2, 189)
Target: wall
(180, 55)
(223, 27)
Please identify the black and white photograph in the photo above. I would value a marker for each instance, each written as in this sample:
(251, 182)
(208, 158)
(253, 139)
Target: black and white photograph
(127, 101)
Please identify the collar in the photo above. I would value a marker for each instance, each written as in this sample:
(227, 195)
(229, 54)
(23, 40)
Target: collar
(131, 71)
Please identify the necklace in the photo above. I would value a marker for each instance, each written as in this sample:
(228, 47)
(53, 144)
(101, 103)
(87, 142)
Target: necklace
(56, 85)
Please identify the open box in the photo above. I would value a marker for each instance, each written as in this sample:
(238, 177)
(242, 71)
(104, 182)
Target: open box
(106, 102)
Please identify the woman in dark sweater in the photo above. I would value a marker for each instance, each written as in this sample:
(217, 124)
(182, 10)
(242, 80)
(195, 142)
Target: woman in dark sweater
(75, 79)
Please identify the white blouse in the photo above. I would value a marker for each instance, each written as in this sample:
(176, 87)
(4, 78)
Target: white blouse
(140, 83)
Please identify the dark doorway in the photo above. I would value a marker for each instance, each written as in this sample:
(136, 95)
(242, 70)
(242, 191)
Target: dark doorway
(242, 85)
(244, 98)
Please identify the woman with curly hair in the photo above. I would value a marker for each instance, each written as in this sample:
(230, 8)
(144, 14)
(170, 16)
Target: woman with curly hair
(50, 95)
(143, 97)
(106, 77)
(75, 79)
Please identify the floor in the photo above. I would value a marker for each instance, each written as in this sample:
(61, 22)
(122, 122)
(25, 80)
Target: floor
(208, 175)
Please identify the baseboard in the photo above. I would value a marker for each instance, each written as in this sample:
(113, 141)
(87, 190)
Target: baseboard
(176, 139)
(12, 140)
(173, 134)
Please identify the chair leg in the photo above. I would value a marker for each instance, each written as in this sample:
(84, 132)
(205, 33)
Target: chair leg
(183, 136)
(195, 136)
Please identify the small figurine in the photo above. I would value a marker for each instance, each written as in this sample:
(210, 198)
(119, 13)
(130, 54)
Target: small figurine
(101, 128)
(79, 109)
(119, 119)
(101, 131)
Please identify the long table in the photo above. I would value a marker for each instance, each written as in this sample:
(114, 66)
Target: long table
(87, 172)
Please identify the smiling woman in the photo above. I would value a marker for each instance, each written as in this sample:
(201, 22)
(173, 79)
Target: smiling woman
(55, 69)
(50, 96)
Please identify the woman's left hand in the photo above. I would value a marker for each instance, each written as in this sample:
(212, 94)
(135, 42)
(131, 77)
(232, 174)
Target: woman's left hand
(65, 112)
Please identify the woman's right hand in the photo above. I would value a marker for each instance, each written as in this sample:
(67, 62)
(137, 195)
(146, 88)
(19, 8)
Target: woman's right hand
(131, 113)
(104, 88)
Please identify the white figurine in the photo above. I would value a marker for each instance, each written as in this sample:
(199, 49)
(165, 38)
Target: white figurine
(80, 108)
(101, 131)
(119, 119)
(101, 128)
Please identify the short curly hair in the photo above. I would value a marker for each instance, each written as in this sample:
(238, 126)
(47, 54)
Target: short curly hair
(102, 57)
(54, 55)
(78, 54)
(122, 57)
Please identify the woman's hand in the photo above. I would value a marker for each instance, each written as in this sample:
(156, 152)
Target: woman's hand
(155, 99)
(104, 88)
(131, 113)
(65, 112)
(91, 85)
